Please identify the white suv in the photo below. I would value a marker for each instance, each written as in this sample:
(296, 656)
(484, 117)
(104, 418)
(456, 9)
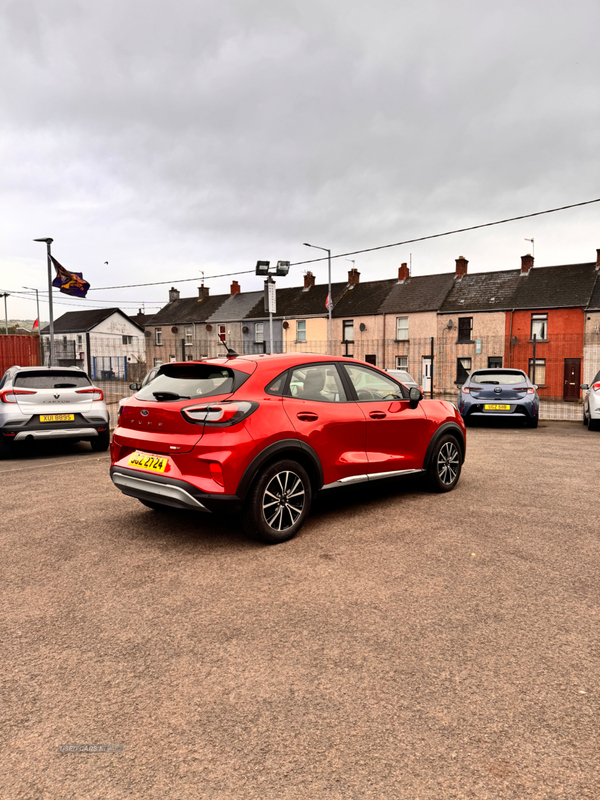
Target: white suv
(591, 404)
(51, 403)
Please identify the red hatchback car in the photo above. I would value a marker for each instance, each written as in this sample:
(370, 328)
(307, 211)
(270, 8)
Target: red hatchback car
(262, 434)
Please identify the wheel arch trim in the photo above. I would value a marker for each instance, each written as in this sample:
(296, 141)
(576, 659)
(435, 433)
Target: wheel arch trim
(447, 427)
(285, 446)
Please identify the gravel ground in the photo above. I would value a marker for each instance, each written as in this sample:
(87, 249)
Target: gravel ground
(404, 645)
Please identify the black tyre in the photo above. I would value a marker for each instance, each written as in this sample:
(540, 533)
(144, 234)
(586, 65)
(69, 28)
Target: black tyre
(157, 506)
(445, 465)
(278, 502)
(532, 422)
(592, 424)
(585, 419)
(101, 442)
(6, 448)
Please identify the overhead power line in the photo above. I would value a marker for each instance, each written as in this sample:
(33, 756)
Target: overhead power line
(364, 250)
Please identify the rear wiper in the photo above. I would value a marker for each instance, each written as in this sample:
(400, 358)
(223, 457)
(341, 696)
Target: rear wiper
(170, 396)
(64, 385)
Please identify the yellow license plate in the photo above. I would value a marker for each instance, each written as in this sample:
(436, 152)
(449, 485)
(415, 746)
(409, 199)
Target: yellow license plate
(496, 407)
(147, 462)
(57, 417)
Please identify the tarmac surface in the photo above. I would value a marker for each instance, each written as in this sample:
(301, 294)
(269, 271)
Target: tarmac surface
(404, 645)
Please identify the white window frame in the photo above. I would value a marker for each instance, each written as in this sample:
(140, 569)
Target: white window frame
(401, 328)
(158, 337)
(158, 362)
(541, 322)
(540, 366)
(348, 325)
(189, 335)
(259, 332)
(301, 332)
(402, 362)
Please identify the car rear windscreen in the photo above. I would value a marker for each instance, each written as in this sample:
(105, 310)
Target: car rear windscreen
(498, 378)
(51, 379)
(193, 382)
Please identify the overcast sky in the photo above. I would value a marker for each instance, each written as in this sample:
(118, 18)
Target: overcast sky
(172, 137)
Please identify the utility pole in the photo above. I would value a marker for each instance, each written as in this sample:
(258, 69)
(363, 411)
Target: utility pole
(5, 295)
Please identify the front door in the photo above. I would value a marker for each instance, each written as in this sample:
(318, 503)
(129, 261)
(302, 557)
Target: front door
(572, 379)
(397, 435)
(426, 375)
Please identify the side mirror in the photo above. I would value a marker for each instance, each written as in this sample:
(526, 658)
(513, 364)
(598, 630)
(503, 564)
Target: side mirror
(584, 386)
(535, 386)
(414, 396)
(135, 386)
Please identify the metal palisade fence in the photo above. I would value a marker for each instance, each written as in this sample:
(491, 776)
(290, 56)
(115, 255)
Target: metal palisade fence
(440, 364)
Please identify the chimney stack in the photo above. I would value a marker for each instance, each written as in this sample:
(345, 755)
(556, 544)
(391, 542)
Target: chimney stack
(203, 293)
(598, 259)
(235, 288)
(526, 264)
(353, 277)
(461, 266)
(403, 273)
(309, 280)
(173, 294)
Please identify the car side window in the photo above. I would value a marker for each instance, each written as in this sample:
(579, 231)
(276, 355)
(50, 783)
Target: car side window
(371, 386)
(319, 382)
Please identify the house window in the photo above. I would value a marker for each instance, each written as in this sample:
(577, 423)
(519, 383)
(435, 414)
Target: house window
(189, 334)
(259, 335)
(539, 326)
(158, 337)
(79, 341)
(127, 339)
(401, 362)
(371, 359)
(465, 329)
(301, 330)
(157, 362)
(463, 367)
(189, 357)
(401, 327)
(348, 328)
(540, 371)
(222, 332)
(495, 362)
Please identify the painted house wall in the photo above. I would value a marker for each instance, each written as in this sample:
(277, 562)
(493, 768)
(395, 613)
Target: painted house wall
(591, 347)
(488, 337)
(316, 336)
(565, 340)
(421, 327)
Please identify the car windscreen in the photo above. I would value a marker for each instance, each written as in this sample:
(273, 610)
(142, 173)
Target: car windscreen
(51, 379)
(498, 378)
(193, 382)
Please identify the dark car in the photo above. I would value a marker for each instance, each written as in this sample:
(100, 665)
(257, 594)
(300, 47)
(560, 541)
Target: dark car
(262, 434)
(499, 393)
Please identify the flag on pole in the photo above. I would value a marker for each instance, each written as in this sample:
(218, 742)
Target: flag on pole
(36, 324)
(69, 282)
(328, 303)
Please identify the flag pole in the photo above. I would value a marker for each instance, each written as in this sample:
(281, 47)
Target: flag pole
(51, 325)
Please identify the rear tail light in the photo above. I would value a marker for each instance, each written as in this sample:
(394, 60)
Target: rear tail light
(219, 414)
(469, 389)
(98, 394)
(596, 387)
(8, 395)
(525, 389)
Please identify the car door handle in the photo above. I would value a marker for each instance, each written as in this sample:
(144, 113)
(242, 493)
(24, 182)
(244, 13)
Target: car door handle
(377, 415)
(307, 416)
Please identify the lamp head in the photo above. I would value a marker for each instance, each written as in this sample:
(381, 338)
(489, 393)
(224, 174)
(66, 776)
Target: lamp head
(48, 240)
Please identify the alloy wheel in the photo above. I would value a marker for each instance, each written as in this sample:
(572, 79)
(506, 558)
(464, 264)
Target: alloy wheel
(283, 500)
(448, 463)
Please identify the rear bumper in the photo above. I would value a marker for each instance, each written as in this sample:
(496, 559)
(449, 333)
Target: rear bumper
(56, 433)
(171, 492)
(517, 410)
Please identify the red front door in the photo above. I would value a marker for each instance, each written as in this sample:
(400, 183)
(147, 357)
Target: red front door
(397, 435)
(572, 379)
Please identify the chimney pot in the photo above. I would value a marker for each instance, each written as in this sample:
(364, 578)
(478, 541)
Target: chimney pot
(526, 264)
(309, 280)
(461, 266)
(235, 288)
(353, 277)
(403, 273)
(598, 258)
(203, 293)
(173, 294)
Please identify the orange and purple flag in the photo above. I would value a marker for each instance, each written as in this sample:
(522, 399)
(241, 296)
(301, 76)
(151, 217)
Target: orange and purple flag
(69, 282)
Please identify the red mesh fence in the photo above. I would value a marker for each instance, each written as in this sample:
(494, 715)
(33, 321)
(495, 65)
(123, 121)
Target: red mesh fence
(23, 351)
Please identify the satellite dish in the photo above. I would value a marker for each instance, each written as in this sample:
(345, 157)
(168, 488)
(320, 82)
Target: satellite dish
(174, 329)
(286, 325)
(147, 334)
(450, 324)
(362, 326)
(245, 329)
(209, 327)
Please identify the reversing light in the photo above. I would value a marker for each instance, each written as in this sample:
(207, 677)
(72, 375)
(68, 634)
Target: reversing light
(92, 390)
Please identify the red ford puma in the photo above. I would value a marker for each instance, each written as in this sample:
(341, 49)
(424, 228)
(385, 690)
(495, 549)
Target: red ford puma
(262, 434)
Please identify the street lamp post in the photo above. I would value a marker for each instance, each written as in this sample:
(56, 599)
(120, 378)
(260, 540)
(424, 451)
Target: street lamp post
(329, 297)
(51, 324)
(37, 300)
